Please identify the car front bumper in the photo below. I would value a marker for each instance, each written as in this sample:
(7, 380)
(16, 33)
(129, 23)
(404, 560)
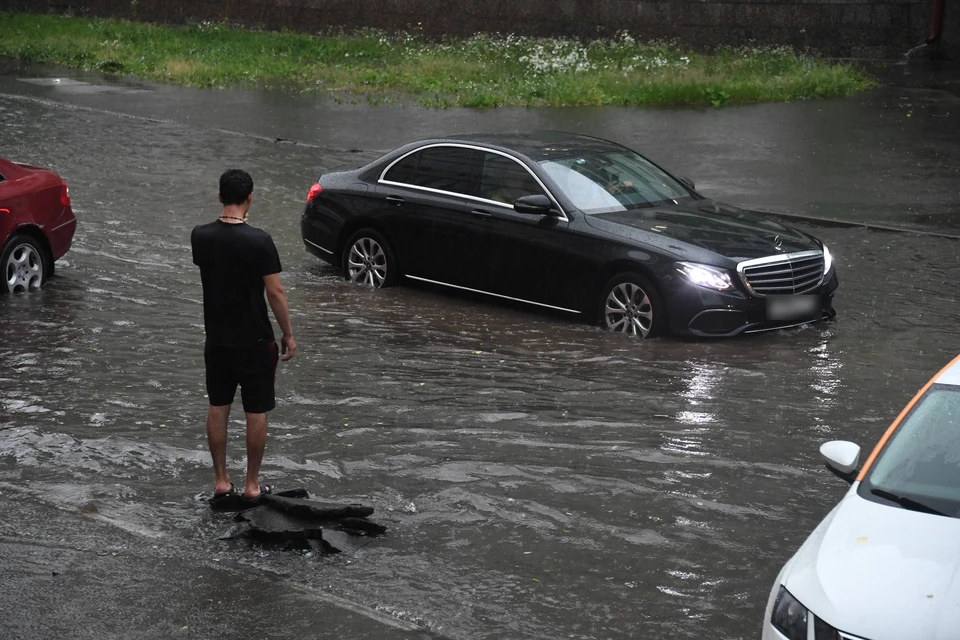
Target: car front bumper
(718, 314)
(771, 633)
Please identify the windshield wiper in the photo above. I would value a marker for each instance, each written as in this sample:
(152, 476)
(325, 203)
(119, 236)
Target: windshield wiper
(907, 503)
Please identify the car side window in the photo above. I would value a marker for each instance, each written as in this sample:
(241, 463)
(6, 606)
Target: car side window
(505, 180)
(441, 168)
(405, 170)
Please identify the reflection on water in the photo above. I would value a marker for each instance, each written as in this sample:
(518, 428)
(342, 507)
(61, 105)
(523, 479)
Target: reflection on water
(700, 394)
(541, 478)
(826, 374)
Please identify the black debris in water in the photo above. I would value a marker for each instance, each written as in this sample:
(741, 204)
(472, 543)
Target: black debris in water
(291, 517)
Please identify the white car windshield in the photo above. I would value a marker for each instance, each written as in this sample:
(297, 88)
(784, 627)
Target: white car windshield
(621, 181)
(921, 462)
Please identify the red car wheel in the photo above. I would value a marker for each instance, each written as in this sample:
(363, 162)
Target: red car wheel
(22, 262)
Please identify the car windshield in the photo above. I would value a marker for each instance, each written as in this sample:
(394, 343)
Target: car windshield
(614, 181)
(920, 465)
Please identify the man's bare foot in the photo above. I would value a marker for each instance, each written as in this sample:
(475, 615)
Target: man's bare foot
(220, 492)
(261, 490)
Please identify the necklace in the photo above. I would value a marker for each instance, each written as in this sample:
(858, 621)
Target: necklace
(233, 218)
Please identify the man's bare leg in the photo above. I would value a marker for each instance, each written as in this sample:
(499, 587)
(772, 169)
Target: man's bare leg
(217, 441)
(256, 443)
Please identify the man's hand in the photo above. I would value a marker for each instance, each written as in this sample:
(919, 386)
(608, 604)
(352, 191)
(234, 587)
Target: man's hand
(277, 298)
(288, 347)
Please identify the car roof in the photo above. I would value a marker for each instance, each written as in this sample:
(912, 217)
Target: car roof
(950, 374)
(538, 145)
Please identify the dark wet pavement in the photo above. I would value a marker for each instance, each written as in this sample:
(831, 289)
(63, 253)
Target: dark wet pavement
(540, 478)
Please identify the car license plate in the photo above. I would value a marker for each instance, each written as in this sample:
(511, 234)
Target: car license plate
(791, 308)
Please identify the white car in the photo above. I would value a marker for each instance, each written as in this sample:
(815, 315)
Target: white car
(885, 563)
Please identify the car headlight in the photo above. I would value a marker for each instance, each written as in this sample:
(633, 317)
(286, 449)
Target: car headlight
(703, 275)
(827, 260)
(789, 616)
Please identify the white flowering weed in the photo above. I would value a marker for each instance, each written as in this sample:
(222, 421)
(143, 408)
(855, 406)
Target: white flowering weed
(481, 71)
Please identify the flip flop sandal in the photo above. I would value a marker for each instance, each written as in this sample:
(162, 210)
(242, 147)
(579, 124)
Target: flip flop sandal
(232, 491)
(265, 489)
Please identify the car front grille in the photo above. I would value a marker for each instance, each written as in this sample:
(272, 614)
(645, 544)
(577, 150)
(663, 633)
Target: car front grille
(787, 274)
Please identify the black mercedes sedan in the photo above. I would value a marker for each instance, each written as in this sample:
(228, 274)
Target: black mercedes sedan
(571, 223)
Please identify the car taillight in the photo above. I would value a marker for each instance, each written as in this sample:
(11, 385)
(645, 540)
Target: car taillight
(315, 190)
(65, 195)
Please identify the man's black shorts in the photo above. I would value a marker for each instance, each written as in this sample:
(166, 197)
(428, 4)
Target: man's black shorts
(253, 368)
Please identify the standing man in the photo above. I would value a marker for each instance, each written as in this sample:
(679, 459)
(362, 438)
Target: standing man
(237, 264)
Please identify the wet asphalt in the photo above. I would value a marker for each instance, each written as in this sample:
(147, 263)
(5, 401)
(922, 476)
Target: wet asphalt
(540, 478)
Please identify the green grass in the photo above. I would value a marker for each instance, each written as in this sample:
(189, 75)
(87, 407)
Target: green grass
(483, 71)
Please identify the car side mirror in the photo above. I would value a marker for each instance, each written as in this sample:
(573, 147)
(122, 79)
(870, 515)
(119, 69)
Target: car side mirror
(689, 183)
(842, 458)
(536, 205)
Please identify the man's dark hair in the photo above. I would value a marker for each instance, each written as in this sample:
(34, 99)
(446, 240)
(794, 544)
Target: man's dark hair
(236, 185)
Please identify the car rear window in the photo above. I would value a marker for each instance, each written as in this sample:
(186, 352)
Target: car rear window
(440, 168)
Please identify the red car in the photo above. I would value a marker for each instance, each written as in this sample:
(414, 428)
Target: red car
(36, 224)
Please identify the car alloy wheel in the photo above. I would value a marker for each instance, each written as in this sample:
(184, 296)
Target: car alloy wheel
(368, 260)
(631, 305)
(22, 265)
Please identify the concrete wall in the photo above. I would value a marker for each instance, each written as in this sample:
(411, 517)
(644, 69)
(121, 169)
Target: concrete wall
(848, 28)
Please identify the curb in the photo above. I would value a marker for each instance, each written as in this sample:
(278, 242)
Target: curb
(829, 222)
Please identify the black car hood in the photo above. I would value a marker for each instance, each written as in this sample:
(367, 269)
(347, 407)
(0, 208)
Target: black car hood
(715, 227)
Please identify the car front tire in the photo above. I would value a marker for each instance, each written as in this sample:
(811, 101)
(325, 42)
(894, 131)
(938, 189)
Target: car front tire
(368, 259)
(23, 264)
(629, 303)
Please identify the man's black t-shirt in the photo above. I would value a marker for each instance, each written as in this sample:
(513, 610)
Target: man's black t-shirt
(233, 258)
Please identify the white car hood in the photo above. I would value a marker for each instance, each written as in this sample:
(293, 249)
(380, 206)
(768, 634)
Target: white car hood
(881, 572)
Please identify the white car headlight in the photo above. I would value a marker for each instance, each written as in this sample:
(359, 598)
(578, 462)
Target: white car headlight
(706, 276)
(789, 616)
(827, 260)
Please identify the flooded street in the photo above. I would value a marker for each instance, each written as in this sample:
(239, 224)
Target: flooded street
(540, 478)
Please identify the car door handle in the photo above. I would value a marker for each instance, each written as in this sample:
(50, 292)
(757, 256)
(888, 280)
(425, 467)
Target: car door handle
(395, 200)
(477, 213)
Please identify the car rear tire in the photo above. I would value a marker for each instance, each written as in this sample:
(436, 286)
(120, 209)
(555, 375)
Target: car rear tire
(630, 304)
(368, 259)
(23, 264)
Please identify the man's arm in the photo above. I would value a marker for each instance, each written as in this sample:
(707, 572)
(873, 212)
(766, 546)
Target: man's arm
(277, 298)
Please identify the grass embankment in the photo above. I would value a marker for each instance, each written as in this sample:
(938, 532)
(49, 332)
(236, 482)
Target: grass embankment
(483, 71)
